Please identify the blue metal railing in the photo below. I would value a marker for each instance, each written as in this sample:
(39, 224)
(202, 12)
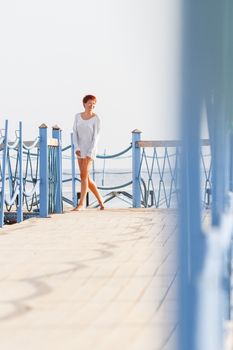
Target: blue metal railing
(151, 174)
(158, 184)
(27, 184)
(74, 178)
(152, 182)
(3, 172)
(150, 178)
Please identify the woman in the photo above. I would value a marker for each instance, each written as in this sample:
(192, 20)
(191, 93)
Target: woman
(85, 136)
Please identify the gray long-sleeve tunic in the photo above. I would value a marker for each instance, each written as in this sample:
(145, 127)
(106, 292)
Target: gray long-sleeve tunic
(85, 135)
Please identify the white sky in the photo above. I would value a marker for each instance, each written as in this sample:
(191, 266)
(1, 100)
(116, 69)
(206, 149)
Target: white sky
(126, 52)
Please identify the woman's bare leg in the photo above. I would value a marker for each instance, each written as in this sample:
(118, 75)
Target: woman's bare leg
(84, 166)
(92, 186)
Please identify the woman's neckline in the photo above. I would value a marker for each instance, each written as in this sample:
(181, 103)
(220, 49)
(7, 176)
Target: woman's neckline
(88, 118)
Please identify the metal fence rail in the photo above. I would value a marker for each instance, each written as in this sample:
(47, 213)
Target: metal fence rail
(152, 174)
(29, 175)
(149, 180)
(74, 178)
(159, 185)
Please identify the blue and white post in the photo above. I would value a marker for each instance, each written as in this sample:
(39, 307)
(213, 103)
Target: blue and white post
(56, 133)
(136, 158)
(204, 278)
(4, 157)
(20, 195)
(43, 171)
(231, 161)
(74, 195)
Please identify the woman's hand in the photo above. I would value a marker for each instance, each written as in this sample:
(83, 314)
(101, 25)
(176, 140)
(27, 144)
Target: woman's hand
(78, 153)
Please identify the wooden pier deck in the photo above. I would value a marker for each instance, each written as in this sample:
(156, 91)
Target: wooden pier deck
(90, 280)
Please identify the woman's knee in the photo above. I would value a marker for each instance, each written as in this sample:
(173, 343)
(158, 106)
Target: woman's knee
(89, 179)
(84, 176)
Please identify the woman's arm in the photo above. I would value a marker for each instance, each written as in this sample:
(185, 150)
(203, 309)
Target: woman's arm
(95, 138)
(75, 136)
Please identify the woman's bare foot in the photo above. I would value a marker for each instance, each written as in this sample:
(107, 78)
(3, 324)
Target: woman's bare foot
(101, 206)
(78, 208)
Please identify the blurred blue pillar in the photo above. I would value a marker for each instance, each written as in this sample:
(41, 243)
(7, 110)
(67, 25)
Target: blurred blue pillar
(231, 161)
(136, 159)
(190, 240)
(43, 171)
(20, 195)
(191, 244)
(220, 142)
(56, 133)
(203, 60)
(4, 158)
(73, 159)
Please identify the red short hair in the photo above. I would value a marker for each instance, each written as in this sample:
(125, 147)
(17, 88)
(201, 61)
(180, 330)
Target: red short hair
(89, 97)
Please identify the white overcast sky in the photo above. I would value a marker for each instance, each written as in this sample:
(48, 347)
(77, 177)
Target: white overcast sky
(126, 52)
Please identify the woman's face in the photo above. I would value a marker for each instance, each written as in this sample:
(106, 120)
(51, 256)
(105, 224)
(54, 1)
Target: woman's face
(89, 105)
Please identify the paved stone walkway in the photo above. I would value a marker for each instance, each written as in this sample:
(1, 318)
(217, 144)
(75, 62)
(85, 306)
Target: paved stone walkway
(103, 280)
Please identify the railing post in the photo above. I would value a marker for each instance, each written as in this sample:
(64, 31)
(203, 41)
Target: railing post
(20, 195)
(3, 174)
(136, 158)
(231, 161)
(204, 78)
(74, 195)
(56, 133)
(43, 171)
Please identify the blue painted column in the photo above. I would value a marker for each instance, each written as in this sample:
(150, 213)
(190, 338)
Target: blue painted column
(56, 133)
(229, 102)
(4, 158)
(231, 161)
(218, 152)
(227, 258)
(191, 240)
(220, 113)
(20, 195)
(204, 73)
(136, 159)
(73, 160)
(43, 171)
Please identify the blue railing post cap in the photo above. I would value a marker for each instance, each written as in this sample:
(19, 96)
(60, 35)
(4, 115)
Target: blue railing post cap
(136, 131)
(43, 126)
(56, 127)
